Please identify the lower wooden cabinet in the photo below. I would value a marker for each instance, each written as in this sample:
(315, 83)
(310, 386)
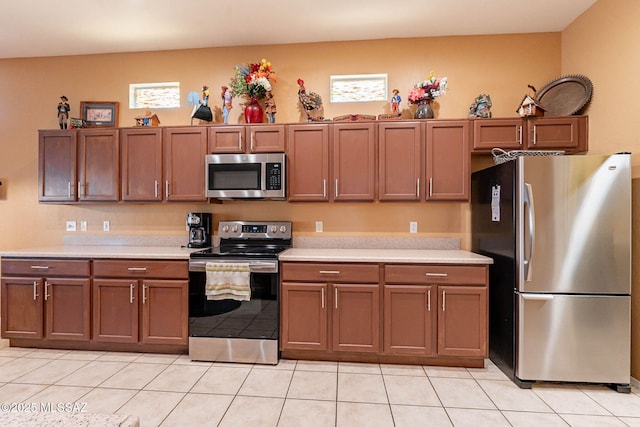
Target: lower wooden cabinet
(462, 321)
(130, 303)
(136, 302)
(350, 311)
(46, 299)
(425, 311)
(410, 319)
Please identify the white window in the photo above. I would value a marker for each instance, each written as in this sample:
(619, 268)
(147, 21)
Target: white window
(154, 95)
(359, 88)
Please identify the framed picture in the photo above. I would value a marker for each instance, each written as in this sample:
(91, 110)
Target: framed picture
(99, 114)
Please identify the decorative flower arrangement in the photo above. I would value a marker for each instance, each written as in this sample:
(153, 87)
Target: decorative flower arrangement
(253, 80)
(428, 89)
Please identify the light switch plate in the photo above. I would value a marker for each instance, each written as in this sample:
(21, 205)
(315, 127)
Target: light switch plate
(413, 226)
(106, 226)
(83, 225)
(71, 226)
(319, 227)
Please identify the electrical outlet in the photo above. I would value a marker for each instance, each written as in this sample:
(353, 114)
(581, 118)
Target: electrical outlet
(319, 227)
(413, 226)
(71, 226)
(83, 225)
(106, 226)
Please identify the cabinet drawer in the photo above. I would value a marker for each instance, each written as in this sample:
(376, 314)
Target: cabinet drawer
(141, 269)
(42, 267)
(352, 273)
(469, 275)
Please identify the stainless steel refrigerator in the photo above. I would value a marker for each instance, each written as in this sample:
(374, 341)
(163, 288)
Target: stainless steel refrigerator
(559, 231)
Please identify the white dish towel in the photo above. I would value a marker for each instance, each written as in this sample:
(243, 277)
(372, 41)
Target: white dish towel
(228, 281)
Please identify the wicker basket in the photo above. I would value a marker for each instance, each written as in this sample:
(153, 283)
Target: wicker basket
(500, 156)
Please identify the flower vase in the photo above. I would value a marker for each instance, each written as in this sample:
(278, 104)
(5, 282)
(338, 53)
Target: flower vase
(253, 112)
(424, 110)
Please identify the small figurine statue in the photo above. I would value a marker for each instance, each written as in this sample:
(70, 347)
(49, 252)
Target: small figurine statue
(63, 112)
(395, 102)
(270, 107)
(203, 112)
(227, 99)
(481, 107)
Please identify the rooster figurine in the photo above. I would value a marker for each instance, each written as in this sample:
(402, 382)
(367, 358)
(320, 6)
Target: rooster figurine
(310, 101)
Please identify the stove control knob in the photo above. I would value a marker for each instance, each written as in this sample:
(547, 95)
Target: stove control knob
(274, 228)
(234, 228)
(225, 228)
(283, 229)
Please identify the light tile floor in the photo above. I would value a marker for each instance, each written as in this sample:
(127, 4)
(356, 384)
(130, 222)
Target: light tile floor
(170, 390)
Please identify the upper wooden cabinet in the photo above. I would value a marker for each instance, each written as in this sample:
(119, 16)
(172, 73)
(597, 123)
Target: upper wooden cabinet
(57, 170)
(558, 133)
(353, 162)
(399, 153)
(98, 165)
(141, 164)
(79, 165)
(566, 133)
(246, 139)
(502, 133)
(308, 162)
(184, 151)
(448, 159)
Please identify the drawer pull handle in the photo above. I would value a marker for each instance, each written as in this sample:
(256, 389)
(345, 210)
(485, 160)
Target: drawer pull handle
(39, 267)
(436, 274)
(329, 271)
(137, 268)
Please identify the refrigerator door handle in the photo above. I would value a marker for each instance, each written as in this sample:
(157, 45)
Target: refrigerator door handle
(539, 297)
(528, 201)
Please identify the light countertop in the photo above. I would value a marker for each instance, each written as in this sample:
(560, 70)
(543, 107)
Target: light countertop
(103, 251)
(430, 256)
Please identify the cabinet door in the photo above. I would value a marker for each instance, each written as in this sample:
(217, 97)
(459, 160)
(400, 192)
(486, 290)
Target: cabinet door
(356, 318)
(304, 316)
(448, 169)
(67, 309)
(165, 313)
(184, 152)
(115, 310)
(308, 162)
(462, 321)
(226, 139)
(141, 164)
(21, 301)
(98, 165)
(354, 157)
(498, 133)
(57, 171)
(266, 138)
(558, 133)
(410, 319)
(399, 147)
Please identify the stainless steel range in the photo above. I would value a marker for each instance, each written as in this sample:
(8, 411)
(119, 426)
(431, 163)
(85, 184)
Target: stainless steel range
(234, 293)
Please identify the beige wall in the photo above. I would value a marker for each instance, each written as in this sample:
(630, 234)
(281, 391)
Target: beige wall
(30, 89)
(603, 44)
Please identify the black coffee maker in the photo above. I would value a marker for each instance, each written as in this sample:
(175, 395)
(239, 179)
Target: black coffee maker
(199, 227)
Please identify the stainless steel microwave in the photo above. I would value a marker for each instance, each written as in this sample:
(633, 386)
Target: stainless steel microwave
(245, 176)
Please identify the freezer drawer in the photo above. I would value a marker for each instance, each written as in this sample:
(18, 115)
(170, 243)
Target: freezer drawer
(581, 338)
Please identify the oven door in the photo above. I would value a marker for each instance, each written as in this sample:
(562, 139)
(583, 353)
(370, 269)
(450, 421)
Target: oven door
(257, 318)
